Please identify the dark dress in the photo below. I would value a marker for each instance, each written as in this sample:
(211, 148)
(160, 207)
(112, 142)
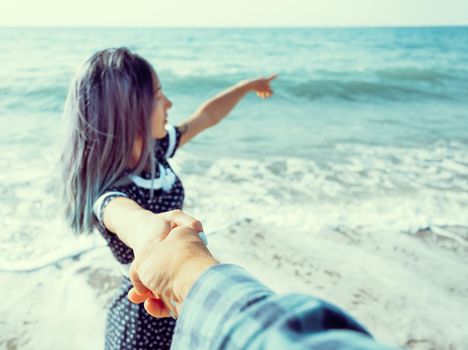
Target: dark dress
(128, 325)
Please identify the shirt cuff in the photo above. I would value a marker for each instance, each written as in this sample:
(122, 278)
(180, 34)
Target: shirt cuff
(221, 292)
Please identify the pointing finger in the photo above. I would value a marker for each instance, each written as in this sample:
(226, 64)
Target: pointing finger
(271, 77)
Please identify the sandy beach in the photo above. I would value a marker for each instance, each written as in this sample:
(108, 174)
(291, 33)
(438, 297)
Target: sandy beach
(385, 286)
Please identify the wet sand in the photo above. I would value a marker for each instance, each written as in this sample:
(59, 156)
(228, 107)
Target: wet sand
(402, 293)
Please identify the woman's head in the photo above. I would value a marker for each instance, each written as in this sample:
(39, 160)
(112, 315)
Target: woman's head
(112, 105)
(159, 116)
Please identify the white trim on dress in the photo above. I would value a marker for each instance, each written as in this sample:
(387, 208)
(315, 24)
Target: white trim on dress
(172, 140)
(98, 204)
(165, 181)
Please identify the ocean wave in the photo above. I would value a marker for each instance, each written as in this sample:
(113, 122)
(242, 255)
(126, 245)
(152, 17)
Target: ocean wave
(356, 90)
(413, 74)
(404, 189)
(393, 84)
(387, 84)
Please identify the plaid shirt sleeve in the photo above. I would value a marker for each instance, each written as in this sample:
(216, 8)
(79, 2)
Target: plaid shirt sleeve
(227, 308)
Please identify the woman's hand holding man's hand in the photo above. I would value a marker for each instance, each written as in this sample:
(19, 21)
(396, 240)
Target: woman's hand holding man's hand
(165, 269)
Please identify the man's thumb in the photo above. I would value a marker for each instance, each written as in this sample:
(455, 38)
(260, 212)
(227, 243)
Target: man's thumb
(139, 286)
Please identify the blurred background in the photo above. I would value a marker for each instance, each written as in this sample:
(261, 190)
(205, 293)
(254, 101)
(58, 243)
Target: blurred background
(350, 183)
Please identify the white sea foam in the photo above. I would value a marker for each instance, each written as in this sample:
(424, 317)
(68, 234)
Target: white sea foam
(397, 189)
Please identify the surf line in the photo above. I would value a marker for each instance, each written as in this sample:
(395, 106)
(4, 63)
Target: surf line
(42, 263)
(39, 264)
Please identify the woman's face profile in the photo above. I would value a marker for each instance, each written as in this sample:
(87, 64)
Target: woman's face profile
(159, 116)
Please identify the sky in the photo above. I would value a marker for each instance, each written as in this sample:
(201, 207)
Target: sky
(232, 13)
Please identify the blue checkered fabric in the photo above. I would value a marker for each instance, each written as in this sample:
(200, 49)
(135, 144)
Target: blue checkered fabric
(227, 308)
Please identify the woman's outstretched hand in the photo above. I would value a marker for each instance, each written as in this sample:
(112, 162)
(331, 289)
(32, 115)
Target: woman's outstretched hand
(262, 86)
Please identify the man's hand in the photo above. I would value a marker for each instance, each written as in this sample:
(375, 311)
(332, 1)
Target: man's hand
(164, 270)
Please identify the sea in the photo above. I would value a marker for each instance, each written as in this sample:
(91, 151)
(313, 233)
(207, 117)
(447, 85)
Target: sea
(366, 132)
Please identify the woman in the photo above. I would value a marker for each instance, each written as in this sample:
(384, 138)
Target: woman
(115, 161)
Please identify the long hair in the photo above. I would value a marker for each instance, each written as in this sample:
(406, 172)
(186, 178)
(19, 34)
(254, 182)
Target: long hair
(109, 103)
